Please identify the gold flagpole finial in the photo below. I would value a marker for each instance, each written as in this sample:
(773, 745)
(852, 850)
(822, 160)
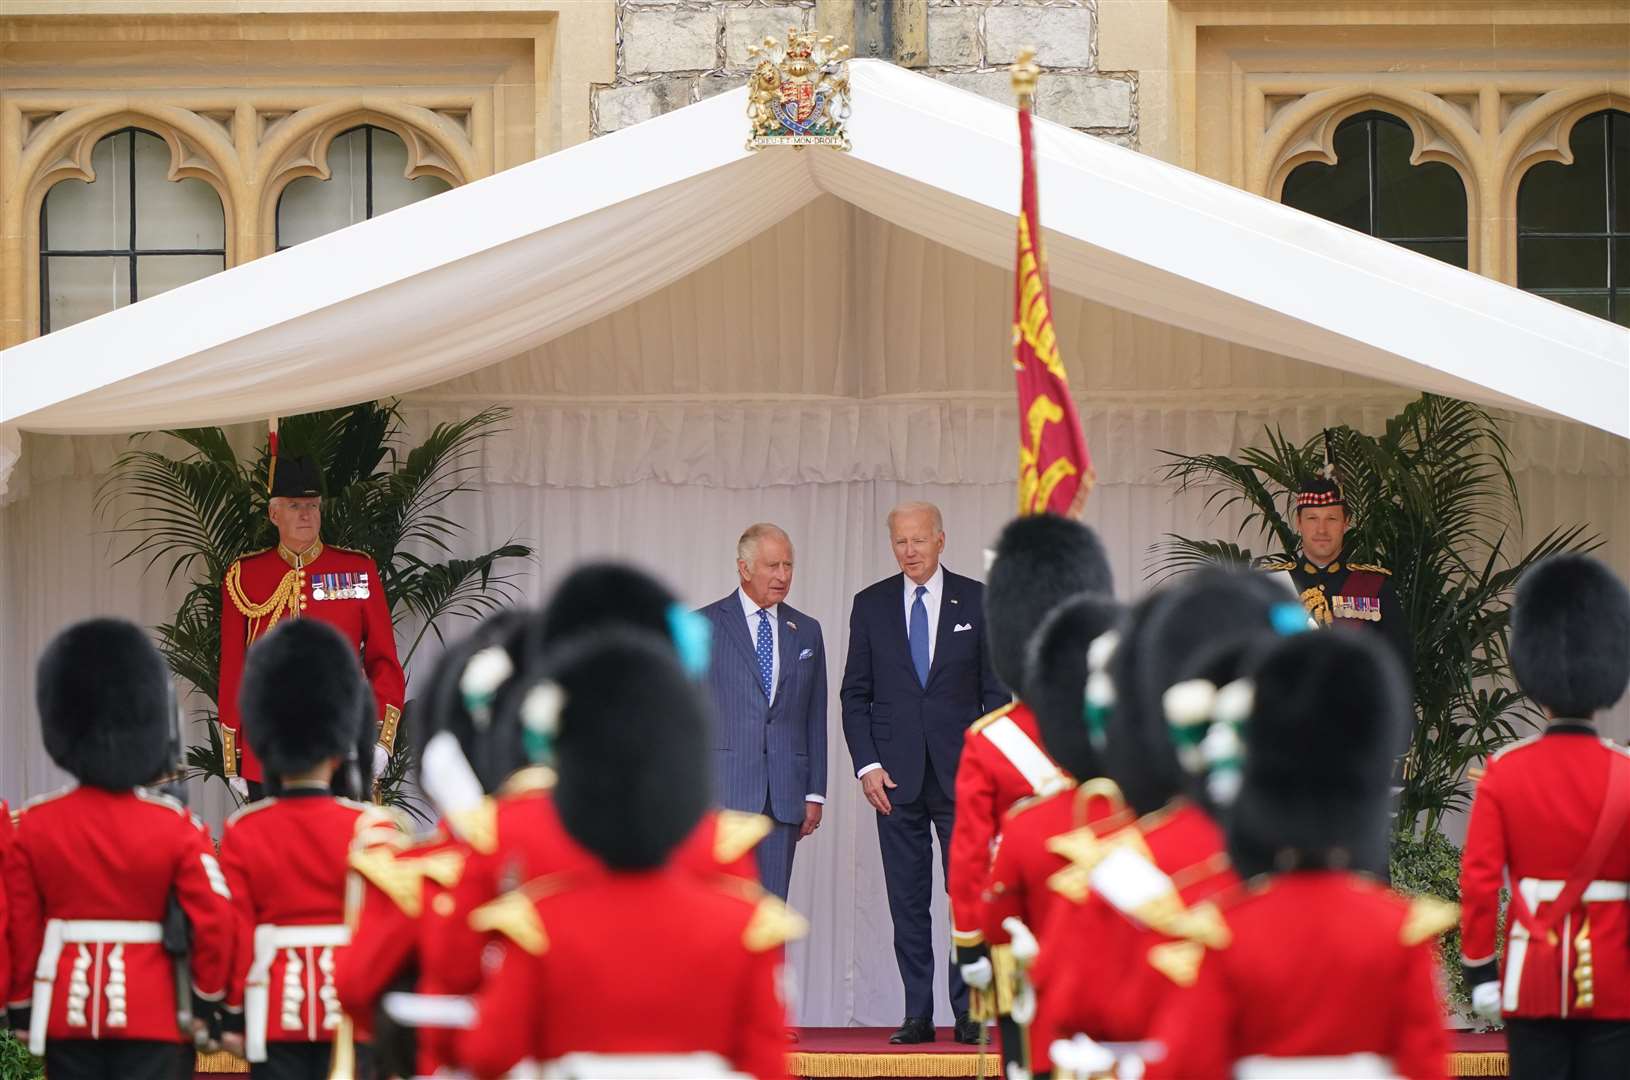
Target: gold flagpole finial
(1025, 73)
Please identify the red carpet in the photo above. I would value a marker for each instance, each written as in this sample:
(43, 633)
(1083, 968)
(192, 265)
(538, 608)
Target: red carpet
(865, 1053)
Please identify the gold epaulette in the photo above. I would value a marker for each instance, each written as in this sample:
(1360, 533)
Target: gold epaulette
(528, 781)
(773, 923)
(401, 877)
(1279, 564)
(1179, 961)
(349, 551)
(1428, 917)
(991, 717)
(515, 916)
(736, 832)
(477, 826)
(1371, 567)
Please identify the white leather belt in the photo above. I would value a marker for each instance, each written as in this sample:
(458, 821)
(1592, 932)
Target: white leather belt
(1545, 891)
(1338, 1067)
(60, 932)
(269, 939)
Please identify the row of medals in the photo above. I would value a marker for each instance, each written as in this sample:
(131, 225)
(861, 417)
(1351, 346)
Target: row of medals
(349, 592)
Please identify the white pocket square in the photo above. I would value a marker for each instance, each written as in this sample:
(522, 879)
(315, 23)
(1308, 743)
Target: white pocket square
(806, 654)
(961, 626)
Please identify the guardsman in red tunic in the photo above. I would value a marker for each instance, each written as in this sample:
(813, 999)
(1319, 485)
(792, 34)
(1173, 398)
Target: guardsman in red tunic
(1322, 970)
(304, 578)
(1551, 821)
(92, 870)
(1336, 592)
(1152, 884)
(1028, 875)
(632, 956)
(285, 857)
(6, 831)
(1038, 559)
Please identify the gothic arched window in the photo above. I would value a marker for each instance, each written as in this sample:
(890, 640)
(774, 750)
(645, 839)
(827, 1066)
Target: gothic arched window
(1573, 221)
(367, 169)
(1373, 188)
(129, 234)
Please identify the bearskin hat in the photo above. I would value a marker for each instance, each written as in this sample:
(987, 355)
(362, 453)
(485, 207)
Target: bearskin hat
(1570, 635)
(601, 593)
(1166, 637)
(1056, 678)
(462, 696)
(1039, 558)
(105, 702)
(630, 735)
(303, 697)
(1330, 714)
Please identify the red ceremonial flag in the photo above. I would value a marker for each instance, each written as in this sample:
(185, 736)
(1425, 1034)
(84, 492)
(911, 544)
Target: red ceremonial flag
(1055, 469)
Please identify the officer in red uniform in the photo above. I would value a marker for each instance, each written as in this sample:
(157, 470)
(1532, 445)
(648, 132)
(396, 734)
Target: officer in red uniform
(93, 868)
(1151, 884)
(1038, 559)
(1551, 820)
(1335, 591)
(6, 835)
(304, 704)
(304, 578)
(1323, 970)
(1025, 881)
(632, 955)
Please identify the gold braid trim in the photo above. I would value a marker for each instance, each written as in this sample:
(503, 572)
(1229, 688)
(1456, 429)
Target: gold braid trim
(285, 600)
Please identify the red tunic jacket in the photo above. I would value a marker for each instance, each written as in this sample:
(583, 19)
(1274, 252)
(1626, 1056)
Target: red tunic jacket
(88, 856)
(6, 837)
(636, 963)
(1531, 820)
(352, 600)
(1102, 969)
(1318, 964)
(285, 860)
(1002, 762)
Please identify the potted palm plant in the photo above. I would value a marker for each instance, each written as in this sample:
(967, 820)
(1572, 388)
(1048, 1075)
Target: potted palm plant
(201, 508)
(1434, 500)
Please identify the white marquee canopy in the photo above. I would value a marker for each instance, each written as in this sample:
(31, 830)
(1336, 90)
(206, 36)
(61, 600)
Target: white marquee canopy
(487, 271)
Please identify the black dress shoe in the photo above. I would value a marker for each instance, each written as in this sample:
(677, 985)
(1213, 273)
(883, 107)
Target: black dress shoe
(915, 1029)
(968, 1030)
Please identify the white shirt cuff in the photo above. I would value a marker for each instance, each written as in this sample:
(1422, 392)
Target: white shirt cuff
(868, 768)
(812, 797)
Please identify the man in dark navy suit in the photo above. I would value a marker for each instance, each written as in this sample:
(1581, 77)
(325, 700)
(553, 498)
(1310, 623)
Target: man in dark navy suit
(768, 683)
(917, 675)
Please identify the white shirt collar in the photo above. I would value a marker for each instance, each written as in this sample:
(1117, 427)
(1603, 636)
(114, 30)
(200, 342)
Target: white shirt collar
(750, 609)
(935, 584)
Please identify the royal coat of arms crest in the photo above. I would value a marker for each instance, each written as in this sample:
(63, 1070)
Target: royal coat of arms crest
(799, 93)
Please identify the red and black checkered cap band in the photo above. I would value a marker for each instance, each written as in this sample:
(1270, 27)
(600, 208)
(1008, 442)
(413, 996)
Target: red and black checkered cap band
(1319, 498)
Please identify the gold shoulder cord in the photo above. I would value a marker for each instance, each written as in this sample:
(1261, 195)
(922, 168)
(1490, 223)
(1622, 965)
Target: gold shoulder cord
(285, 600)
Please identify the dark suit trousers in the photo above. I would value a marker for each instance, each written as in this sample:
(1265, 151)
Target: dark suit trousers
(905, 837)
(1568, 1049)
(775, 854)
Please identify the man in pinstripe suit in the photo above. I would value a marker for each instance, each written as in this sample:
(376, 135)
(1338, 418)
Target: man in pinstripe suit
(768, 681)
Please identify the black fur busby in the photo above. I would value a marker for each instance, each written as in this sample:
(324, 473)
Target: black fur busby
(105, 698)
(603, 594)
(1166, 637)
(459, 681)
(1570, 635)
(303, 697)
(1039, 558)
(1331, 713)
(1056, 678)
(630, 732)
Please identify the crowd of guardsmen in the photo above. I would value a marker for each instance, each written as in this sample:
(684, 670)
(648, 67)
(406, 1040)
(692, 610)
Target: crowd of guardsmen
(1195, 884)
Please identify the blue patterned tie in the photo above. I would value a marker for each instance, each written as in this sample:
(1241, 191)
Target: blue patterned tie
(766, 652)
(917, 635)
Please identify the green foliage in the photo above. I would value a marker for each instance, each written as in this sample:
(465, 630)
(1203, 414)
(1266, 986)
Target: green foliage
(16, 1063)
(1432, 499)
(198, 512)
(1430, 864)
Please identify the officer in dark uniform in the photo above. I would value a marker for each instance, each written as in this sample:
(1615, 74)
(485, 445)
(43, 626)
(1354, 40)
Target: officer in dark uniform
(1335, 591)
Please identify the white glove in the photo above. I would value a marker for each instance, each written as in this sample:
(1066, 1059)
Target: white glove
(1023, 1009)
(1025, 945)
(382, 760)
(1486, 1000)
(239, 786)
(1081, 1056)
(978, 973)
